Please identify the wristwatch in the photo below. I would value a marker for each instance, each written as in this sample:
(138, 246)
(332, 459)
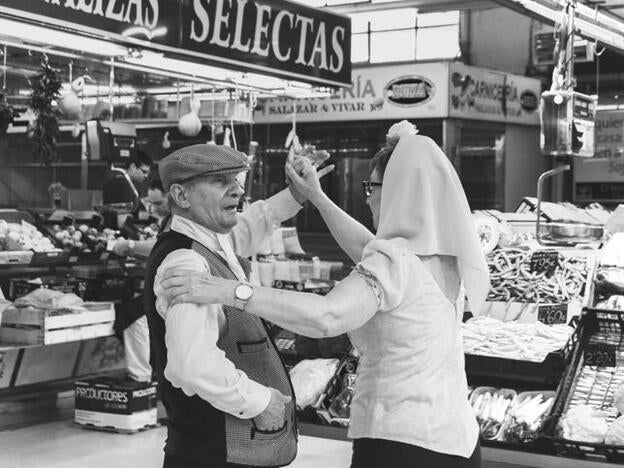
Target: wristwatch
(242, 293)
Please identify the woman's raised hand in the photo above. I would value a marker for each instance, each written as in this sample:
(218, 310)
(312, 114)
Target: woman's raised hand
(181, 285)
(304, 178)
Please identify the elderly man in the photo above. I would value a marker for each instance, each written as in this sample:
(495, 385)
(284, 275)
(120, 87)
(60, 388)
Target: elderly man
(228, 396)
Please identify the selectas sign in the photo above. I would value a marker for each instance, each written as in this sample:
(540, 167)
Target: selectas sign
(411, 91)
(608, 163)
(481, 94)
(274, 37)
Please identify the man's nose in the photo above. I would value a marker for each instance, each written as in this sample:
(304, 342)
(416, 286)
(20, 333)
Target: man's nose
(237, 189)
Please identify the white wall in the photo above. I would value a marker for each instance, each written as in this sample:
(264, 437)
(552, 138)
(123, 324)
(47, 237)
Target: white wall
(497, 38)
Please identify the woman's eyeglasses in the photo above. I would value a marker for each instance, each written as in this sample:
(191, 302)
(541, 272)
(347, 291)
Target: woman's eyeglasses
(367, 185)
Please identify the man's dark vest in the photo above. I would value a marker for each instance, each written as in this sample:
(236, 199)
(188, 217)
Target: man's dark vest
(197, 431)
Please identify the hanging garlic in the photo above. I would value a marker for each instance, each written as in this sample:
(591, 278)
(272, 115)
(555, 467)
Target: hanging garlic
(189, 124)
(69, 103)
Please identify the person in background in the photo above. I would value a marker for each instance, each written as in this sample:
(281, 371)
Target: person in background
(227, 393)
(157, 202)
(402, 304)
(158, 207)
(130, 317)
(116, 188)
(121, 190)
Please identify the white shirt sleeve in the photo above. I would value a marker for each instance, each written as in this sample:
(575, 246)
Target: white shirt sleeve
(260, 219)
(194, 362)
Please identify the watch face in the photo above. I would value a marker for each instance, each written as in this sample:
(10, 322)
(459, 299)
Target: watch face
(243, 292)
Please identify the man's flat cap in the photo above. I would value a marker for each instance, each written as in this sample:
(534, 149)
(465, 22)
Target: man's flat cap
(200, 160)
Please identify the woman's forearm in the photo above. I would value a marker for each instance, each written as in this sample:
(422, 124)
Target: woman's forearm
(347, 307)
(302, 313)
(350, 235)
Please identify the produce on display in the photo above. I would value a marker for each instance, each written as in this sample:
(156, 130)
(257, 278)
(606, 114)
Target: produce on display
(23, 236)
(615, 302)
(487, 336)
(612, 254)
(584, 423)
(490, 406)
(46, 86)
(526, 416)
(48, 299)
(597, 387)
(310, 378)
(615, 433)
(488, 231)
(618, 398)
(83, 238)
(610, 280)
(511, 278)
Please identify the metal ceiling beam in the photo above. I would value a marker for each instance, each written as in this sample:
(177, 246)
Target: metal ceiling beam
(609, 32)
(427, 6)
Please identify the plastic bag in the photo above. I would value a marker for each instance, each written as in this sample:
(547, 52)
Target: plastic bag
(310, 378)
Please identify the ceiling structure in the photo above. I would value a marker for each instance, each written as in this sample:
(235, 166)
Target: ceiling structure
(601, 20)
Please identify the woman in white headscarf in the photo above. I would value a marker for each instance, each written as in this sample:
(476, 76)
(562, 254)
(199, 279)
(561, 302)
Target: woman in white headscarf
(402, 306)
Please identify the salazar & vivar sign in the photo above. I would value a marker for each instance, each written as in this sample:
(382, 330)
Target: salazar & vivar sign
(377, 92)
(274, 37)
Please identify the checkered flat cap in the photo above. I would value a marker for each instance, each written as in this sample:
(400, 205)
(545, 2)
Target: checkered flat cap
(199, 160)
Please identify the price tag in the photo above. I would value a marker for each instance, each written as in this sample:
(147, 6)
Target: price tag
(544, 261)
(600, 356)
(552, 314)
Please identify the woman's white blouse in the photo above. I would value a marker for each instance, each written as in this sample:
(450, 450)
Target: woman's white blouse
(411, 383)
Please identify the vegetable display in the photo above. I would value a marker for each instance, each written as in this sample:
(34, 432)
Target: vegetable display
(526, 416)
(490, 406)
(487, 336)
(23, 236)
(511, 278)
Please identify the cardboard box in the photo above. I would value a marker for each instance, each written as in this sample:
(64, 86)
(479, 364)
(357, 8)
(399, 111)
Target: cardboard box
(115, 404)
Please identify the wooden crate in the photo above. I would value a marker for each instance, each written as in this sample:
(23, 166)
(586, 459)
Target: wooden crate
(39, 326)
(11, 334)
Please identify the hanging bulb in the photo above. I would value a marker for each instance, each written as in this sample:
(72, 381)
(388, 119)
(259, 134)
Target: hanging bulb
(189, 124)
(76, 129)
(166, 144)
(69, 103)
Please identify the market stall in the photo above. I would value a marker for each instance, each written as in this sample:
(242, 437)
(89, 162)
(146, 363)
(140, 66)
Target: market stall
(82, 88)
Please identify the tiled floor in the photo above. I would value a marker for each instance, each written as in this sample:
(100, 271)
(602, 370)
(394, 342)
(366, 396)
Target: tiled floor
(63, 445)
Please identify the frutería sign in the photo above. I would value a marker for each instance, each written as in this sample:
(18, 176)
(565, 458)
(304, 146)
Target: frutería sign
(274, 37)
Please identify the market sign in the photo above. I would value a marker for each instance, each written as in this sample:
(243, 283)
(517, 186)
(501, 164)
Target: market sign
(274, 37)
(481, 94)
(410, 91)
(608, 162)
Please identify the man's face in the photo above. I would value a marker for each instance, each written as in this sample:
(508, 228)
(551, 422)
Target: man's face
(158, 202)
(138, 175)
(213, 200)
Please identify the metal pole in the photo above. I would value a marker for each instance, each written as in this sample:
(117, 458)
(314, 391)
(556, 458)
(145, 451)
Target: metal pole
(571, 10)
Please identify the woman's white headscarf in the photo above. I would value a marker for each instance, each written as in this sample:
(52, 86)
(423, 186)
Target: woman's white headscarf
(423, 202)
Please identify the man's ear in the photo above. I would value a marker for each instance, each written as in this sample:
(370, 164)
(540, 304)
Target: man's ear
(179, 195)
